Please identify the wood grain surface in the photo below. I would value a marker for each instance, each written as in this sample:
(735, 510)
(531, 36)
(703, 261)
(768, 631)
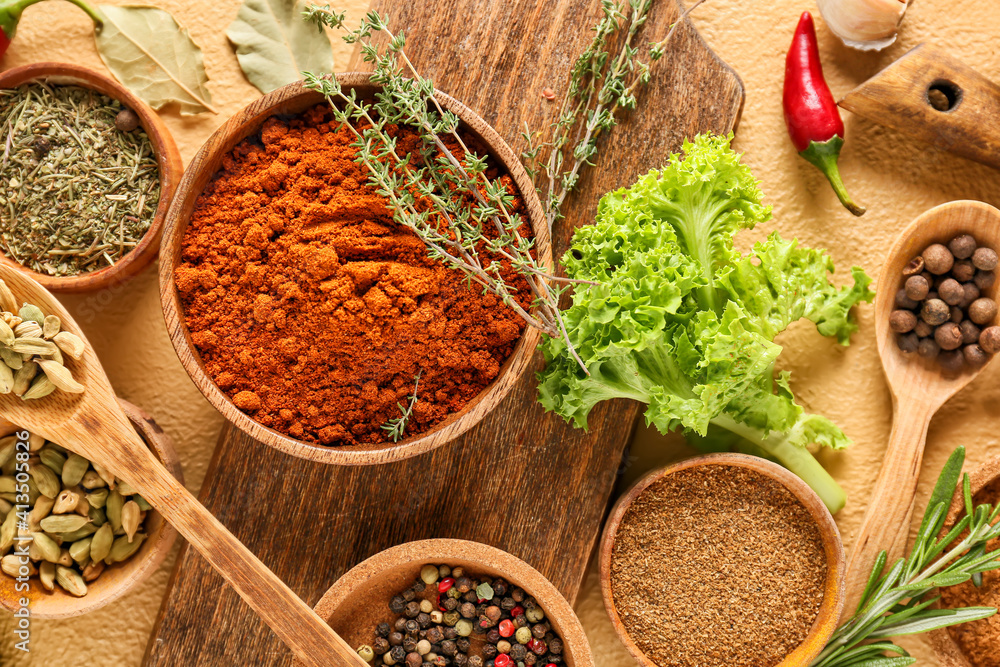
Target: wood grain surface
(522, 480)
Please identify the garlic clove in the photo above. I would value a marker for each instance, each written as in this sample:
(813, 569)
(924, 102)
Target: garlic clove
(868, 25)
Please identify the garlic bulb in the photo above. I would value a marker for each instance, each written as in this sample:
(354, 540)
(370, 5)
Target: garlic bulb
(868, 25)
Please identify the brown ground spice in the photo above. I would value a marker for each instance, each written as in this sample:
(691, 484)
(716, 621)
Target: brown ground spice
(979, 640)
(717, 566)
(313, 310)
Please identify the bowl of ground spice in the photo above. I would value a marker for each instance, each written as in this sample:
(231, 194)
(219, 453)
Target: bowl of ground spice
(88, 171)
(454, 602)
(977, 643)
(724, 560)
(308, 316)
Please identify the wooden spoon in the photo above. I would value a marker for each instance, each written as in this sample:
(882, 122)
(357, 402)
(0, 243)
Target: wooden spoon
(919, 388)
(93, 425)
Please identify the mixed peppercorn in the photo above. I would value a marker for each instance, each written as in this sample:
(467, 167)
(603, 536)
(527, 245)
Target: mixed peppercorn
(449, 618)
(941, 311)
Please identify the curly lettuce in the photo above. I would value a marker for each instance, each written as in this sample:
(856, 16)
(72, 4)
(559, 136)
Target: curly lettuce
(675, 317)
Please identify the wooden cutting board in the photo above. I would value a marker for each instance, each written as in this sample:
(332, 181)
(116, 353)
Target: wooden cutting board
(523, 480)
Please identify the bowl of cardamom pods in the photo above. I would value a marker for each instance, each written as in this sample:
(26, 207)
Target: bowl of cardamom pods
(73, 538)
(89, 170)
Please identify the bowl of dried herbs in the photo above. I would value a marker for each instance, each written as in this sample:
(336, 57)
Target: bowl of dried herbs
(87, 171)
(87, 538)
(724, 560)
(454, 602)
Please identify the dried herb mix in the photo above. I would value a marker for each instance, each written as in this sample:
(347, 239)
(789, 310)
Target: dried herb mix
(717, 566)
(314, 311)
(76, 193)
(978, 640)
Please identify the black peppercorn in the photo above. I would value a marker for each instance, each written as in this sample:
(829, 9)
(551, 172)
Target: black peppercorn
(520, 621)
(448, 648)
(555, 645)
(450, 633)
(434, 635)
(463, 644)
(461, 659)
(490, 651)
(467, 610)
(450, 604)
(518, 652)
(509, 603)
(412, 627)
(400, 624)
(409, 595)
(539, 629)
(41, 147)
(397, 653)
(500, 587)
(381, 645)
(409, 644)
(493, 636)
(471, 597)
(383, 630)
(475, 661)
(419, 586)
(463, 584)
(493, 613)
(397, 604)
(396, 639)
(424, 620)
(414, 660)
(530, 659)
(412, 609)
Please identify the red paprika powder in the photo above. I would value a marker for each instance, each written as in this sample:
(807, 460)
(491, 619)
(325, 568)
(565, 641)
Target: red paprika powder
(313, 310)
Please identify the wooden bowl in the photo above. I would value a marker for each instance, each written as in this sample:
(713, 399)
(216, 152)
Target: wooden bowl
(947, 649)
(359, 600)
(834, 592)
(118, 579)
(293, 99)
(167, 156)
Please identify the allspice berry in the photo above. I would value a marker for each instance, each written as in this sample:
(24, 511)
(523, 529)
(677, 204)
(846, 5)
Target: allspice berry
(916, 288)
(935, 312)
(948, 336)
(974, 355)
(902, 321)
(983, 311)
(957, 315)
(971, 294)
(126, 120)
(928, 349)
(939, 260)
(903, 301)
(984, 279)
(963, 271)
(985, 259)
(989, 340)
(962, 246)
(951, 292)
(908, 342)
(970, 332)
(923, 329)
(951, 361)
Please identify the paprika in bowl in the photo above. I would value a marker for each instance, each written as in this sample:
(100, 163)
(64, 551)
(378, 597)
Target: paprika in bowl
(307, 316)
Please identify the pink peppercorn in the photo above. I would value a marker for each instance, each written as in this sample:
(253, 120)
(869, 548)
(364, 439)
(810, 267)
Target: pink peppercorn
(506, 628)
(517, 611)
(445, 585)
(503, 660)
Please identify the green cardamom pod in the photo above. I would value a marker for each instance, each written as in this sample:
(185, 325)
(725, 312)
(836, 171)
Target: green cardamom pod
(125, 488)
(100, 546)
(71, 581)
(113, 509)
(33, 493)
(52, 459)
(69, 343)
(64, 557)
(104, 473)
(56, 356)
(48, 483)
(130, 518)
(28, 329)
(11, 565)
(91, 480)
(47, 575)
(6, 379)
(123, 548)
(75, 535)
(7, 485)
(8, 531)
(43, 507)
(60, 376)
(41, 387)
(6, 333)
(35, 442)
(80, 550)
(63, 523)
(33, 313)
(97, 498)
(7, 301)
(93, 570)
(14, 360)
(74, 469)
(23, 377)
(51, 325)
(32, 346)
(97, 516)
(66, 502)
(8, 446)
(46, 546)
(143, 504)
(5, 507)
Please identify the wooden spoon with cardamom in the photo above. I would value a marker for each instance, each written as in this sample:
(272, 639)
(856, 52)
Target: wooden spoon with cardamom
(93, 425)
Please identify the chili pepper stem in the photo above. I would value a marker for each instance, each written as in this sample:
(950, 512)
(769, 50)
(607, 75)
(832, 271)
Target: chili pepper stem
(824, 155)
(10, 14)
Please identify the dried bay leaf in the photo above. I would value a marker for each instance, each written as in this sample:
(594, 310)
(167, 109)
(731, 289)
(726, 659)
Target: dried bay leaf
(274, 44)
(154, 57)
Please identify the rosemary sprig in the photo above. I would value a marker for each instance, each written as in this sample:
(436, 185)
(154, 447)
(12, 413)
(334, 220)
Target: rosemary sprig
(397, 426)
(900, 602)
(445, 198)
(597, 91)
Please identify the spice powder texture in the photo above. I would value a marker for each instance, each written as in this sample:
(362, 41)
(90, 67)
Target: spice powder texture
(313, 310)
(717, 566)
(979, 641)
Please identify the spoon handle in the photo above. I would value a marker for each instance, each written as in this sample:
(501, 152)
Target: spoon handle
(309, 637)
(886, 524)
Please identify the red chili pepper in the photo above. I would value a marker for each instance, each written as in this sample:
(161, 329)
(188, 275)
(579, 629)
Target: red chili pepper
(10, 14)
(812, 116)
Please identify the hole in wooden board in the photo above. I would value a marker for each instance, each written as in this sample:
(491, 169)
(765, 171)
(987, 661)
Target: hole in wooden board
(944, 95)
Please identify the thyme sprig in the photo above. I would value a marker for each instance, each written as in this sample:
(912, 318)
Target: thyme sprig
(396, 426)
(597, 91)
(900, 602)
(446, 200)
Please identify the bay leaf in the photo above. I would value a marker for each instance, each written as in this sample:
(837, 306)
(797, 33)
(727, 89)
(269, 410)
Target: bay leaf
(274, 44)
(154, 57)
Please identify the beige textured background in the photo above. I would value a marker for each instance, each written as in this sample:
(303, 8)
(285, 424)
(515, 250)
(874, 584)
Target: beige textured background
(895, 178)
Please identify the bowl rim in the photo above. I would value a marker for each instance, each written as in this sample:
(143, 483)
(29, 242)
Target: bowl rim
(146, 561)
(167, 157)
(439, 550)
(944, 646)
(834, 588)
(247, 123)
